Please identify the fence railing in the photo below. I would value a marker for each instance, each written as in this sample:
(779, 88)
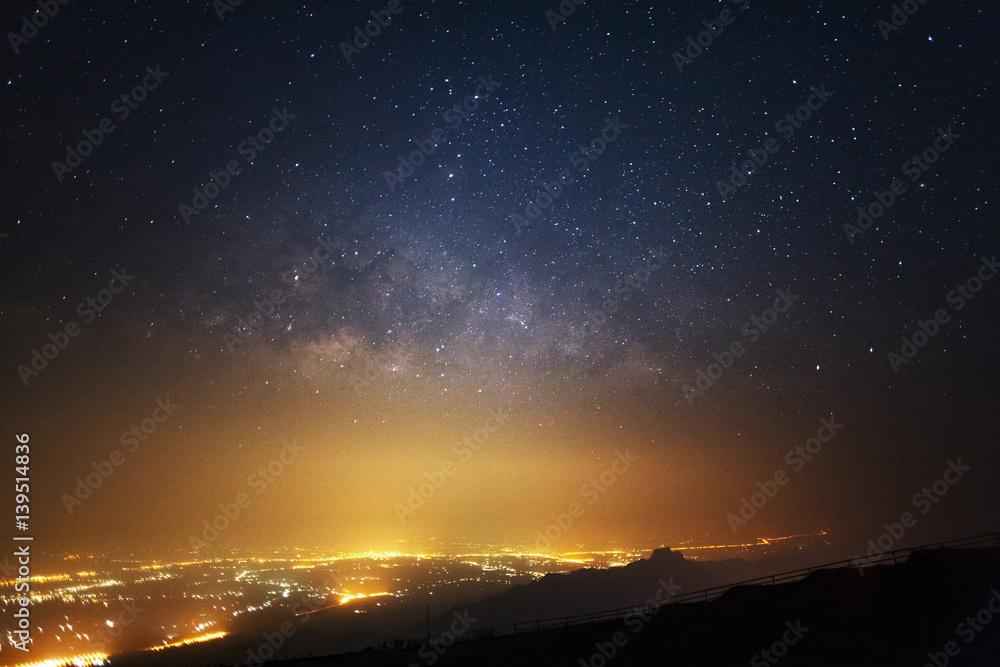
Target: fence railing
(709, 594)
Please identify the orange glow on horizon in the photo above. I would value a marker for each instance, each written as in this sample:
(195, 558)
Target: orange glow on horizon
(83, 660)
(761, 541)
(347, 598)
(190, 640)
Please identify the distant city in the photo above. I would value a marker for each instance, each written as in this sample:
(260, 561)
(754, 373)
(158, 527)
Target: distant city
(88, 608)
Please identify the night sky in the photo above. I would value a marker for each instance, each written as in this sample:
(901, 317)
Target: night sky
(352, 258)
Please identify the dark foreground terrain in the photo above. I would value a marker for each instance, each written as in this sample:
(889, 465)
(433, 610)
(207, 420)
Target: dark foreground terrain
(915, 613)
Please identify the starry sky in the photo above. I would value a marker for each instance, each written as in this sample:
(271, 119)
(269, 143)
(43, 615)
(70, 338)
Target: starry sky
(371, 245)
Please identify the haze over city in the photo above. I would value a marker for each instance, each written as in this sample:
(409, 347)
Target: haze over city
(484, 293)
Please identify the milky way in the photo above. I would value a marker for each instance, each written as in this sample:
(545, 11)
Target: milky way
(368, 229)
